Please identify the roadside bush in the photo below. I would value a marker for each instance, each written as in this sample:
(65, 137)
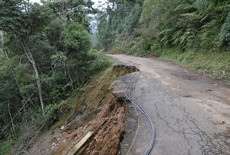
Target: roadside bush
(139, 46)
(99, 61)
(224, 34)
(6, 145)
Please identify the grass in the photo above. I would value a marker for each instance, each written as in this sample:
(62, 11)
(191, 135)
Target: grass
(214, 64)
(6, 145)
(62, 120)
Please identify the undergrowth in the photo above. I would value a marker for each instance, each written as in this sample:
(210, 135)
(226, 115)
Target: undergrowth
(214, 64)
(6, 145)
(33, 123)
(211, 63)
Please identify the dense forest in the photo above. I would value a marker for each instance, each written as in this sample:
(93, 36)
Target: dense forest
(184, 29)
(145, 24)
(45, 56)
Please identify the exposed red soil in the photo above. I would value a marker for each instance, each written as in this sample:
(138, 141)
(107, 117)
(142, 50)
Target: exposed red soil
(106, 139)
(96, 110)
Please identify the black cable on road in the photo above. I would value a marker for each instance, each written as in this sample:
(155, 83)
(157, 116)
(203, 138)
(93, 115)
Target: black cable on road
(138, 106)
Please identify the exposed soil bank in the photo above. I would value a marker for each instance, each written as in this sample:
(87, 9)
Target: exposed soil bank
(97, 110)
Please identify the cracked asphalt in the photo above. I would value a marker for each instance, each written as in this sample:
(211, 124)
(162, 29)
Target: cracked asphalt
(191, 112)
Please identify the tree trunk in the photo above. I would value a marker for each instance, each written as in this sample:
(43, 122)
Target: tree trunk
(38, 81)
(11, 120)
(15, 79)
(69, 76)
(30, 57)
(2, 40)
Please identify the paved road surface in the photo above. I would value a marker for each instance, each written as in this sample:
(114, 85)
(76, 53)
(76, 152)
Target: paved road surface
(191, 112)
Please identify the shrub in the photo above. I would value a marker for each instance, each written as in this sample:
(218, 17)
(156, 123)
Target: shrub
(6, 145)
(99, 61)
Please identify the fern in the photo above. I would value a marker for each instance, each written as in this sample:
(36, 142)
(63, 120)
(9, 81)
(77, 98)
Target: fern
(176, 37)
(210, 25)
(184, 7)
(165, 36)
(224, 34)
(192, 16)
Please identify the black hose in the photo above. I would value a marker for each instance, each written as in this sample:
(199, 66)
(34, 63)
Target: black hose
(140, 108)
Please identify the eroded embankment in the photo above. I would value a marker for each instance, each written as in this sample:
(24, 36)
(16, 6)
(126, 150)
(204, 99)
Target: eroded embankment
(99, 121)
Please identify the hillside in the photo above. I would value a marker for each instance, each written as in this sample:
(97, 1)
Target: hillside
(194, 33)
(73, 80)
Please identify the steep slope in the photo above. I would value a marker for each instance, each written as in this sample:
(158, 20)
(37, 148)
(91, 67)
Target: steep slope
(98, 112)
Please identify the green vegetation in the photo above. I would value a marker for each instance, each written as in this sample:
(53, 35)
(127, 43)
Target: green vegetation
(214, 64)
(6, 145)
(192, 32)
(46, 58)
(46, 54)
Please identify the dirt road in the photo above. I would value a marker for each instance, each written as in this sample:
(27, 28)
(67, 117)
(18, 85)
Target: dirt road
(191, 112)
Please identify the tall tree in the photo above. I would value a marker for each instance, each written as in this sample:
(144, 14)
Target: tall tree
(44, 52)
(17, 18)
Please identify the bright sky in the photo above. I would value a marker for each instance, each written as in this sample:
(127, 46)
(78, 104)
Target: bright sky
(38, 1)
(97, 2)
(101, 4)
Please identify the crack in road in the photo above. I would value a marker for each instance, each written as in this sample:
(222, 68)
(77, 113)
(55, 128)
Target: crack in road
(207, 143)
(187, 108)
